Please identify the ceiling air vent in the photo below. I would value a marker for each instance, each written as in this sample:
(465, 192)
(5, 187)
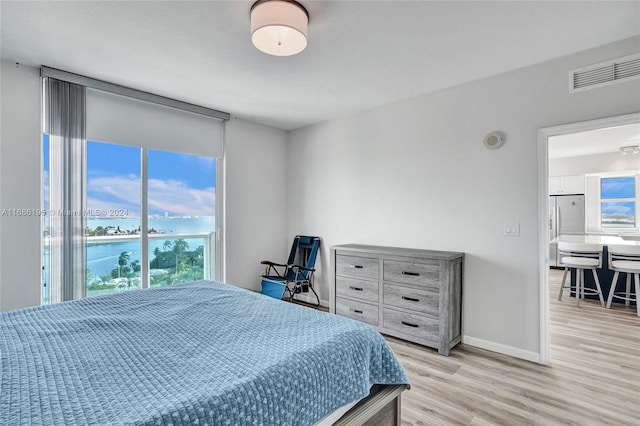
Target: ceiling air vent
(605, 73)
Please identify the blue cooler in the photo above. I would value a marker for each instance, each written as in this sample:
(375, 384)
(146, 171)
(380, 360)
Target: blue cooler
(272, 288)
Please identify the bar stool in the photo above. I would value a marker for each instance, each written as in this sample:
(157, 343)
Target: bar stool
(581, 256)
(625, 259)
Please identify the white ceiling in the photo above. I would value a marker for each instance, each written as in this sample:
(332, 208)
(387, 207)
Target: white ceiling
(600, 141)
(361, 54)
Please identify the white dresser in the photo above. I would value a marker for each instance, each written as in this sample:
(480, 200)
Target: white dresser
(412, 294)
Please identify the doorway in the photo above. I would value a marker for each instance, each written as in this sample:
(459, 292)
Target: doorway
(545, 135)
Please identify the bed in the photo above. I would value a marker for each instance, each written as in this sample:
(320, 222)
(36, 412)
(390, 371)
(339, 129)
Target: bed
(201, 353)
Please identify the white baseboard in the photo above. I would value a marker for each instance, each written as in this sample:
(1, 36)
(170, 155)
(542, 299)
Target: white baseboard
(501, 349)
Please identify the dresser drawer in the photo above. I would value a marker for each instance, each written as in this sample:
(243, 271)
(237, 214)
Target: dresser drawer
(362, 267)
(358, 289)
(360, 311)
(411, 326)
(422, 274)
(418, 300)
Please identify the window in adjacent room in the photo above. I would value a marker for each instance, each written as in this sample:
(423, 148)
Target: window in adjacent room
(618, 202)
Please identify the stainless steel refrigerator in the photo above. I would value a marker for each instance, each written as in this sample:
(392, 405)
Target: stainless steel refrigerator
(566, 217)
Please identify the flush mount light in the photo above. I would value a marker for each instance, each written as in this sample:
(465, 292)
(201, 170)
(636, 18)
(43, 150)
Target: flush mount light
(279, 27)
(633, 149)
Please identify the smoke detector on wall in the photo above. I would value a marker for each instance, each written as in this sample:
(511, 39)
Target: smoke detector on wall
(494, 140)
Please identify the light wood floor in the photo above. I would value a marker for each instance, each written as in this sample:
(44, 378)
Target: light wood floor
(593, 379)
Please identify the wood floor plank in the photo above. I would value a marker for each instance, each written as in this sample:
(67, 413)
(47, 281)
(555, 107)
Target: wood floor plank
(593, 379)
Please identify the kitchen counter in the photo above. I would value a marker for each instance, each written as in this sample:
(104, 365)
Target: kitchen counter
(596, 239)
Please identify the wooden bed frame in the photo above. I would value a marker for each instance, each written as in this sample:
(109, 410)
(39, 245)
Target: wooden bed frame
(381, 407)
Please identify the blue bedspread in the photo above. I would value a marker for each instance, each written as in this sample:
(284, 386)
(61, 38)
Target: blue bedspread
(203, 353)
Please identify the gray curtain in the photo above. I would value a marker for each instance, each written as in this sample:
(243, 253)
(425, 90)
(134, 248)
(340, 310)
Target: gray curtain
(65, 122)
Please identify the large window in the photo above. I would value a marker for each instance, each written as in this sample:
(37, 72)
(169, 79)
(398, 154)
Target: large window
(618, 202)
(131, 177)
(179, 204)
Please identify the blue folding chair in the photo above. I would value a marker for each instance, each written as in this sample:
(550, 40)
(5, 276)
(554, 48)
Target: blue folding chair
(284, 281)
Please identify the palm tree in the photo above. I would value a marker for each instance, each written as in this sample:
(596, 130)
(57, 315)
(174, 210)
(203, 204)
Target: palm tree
(167, 245)
(122, 261)
(180, 246)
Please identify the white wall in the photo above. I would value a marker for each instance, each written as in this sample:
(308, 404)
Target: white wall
(20, 166)
(598, 163)
(416, 174)
(256, 200)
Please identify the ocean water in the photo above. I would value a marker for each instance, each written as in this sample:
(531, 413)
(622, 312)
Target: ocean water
(102, 257)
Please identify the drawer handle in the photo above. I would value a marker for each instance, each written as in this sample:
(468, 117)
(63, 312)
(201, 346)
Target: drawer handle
(410, 324)
(410, 299)
(355, 288)
(356, 266)
(413, 274)
(357, 311)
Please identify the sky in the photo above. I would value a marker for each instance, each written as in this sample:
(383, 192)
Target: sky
(618, 188)
(619, 207)
(178, 184)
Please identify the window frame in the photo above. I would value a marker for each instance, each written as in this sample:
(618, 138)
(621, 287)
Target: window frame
(635, 200)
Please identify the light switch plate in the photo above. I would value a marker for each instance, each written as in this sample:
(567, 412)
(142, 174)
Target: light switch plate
(511, 229)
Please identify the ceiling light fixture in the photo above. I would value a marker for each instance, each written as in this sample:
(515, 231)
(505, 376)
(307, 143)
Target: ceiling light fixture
(279, 27)
(632, 149)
